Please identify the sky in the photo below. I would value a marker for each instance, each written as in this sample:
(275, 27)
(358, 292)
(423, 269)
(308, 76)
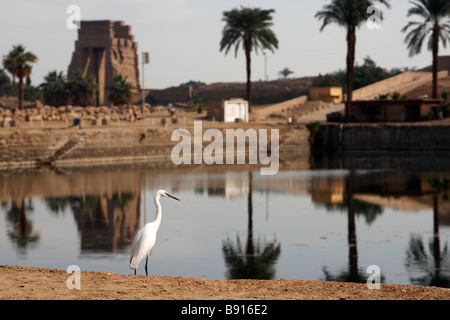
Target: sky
(183, 36)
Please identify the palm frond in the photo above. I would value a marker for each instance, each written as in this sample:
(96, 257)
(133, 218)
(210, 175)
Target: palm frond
(434, 15)
(248, 26)
(349, 14)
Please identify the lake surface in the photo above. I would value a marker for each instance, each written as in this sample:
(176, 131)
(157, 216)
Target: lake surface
(322, 224)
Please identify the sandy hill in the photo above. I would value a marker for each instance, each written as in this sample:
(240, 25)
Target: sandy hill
(426, 89)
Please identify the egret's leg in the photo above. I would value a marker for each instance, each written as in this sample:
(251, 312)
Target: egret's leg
(134, 271)
(146, 266)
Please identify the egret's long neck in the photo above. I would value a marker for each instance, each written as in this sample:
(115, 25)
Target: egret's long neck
(158, 210)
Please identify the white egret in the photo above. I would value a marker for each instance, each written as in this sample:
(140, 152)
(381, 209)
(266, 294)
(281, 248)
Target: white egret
(146, 237)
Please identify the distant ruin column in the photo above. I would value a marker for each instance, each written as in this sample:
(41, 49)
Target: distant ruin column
(104, 49)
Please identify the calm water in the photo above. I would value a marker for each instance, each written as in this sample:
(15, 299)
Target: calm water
(328, 224)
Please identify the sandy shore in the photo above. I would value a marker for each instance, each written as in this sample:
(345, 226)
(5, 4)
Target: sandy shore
(23, 283)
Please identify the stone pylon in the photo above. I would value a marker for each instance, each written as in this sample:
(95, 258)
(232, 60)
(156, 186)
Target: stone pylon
(104, 49)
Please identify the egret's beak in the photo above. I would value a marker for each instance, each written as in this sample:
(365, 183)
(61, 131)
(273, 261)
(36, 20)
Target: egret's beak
(170, 196)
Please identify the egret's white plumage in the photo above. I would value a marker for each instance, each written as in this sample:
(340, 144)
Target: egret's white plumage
(146, 237)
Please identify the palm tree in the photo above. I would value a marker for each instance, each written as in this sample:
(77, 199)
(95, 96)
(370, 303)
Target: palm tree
(82, 89)
(54, 89)
(285, 72)
(121, 91)
(17, 62)
(251, 27)
(435, 15)
(350, 14)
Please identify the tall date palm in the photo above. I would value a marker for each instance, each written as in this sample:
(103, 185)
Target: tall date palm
(350, 14)
(251, 28)
(18, 63)
(435, 21)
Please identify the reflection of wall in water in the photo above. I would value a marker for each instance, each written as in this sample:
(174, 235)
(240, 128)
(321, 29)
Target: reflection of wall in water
(393, 183)
(231, 185)
(50, 184)
(107, 223)
(405, 191)
(328, 189)
(236, 185)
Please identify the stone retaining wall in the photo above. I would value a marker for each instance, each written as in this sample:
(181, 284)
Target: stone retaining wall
(117, 144)
(384, 137)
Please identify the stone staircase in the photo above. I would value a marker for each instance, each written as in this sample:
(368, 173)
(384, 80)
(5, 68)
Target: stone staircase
(309, 107)
(321, 114)
(292, 110)
(69, 145)
(277, 110)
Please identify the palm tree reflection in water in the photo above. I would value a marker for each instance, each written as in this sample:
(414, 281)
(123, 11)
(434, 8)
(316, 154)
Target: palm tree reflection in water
(433, 266)
(425, 267)
(258, 260)
(353, 273)
(21, 233)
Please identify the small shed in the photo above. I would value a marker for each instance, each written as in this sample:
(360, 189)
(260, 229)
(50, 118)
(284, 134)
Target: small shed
(392, 110)
(233, 110)
(326, 94)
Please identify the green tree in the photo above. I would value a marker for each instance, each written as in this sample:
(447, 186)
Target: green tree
(82, 89)
(435, 21)
(251, 28)
(54, 89)
(4, 79)
(18, 63)
(349, 14)
(199, 104)
(120, 91)
(285, 72)
(32, 93)
(193, 83)
(6, 86)
(367, 73)
(8, 90)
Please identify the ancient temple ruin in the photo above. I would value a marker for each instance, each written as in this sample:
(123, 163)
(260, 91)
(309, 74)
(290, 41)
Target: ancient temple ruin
(104, 49)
